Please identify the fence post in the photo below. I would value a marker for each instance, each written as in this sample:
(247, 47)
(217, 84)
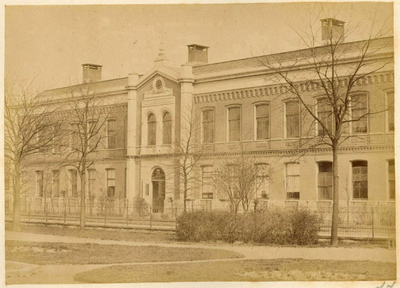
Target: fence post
(373, 232)
(105, 214)
(65, 212)
(127, 212)
(151, 216)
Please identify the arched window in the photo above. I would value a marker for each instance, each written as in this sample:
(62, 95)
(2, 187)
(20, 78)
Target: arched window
(151, 132)
(167, 128)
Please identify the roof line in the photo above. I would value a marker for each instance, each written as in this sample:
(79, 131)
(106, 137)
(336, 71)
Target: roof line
(287, 52)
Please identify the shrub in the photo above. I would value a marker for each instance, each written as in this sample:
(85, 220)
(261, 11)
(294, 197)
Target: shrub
(276, 226)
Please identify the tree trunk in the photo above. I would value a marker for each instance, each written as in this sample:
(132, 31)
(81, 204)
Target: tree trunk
(17, 200)
(335, 208)
(184, 195)
(83, 186)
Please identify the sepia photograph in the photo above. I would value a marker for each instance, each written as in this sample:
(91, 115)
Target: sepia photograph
(200, 143)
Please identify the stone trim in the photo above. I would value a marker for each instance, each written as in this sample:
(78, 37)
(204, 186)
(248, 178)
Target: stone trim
(260, 91)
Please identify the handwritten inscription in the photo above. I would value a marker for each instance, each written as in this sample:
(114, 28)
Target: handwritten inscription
(387, 286)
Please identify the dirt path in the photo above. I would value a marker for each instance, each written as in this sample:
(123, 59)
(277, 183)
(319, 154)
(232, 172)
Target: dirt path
(249, 252)
(64, 274)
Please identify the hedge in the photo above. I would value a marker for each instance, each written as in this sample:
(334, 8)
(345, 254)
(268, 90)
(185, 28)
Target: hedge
(274, 226)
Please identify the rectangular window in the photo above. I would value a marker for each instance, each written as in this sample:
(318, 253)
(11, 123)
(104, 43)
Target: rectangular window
(360, 179)
(293, 180)
(207, 182)
(56, 141)
(91, 181)
(292, 119)
(73, 137)
(74, 183)
(126, 132)
(262, 119)
(325, 180)
(262, 181)
(111, 135)
(208, 126)
(392, 180)
(55, 189)
(390, 110)
(325, 116)
(234, 124)
(110, 182)
(39, 183)
(359, 112)
(91, 134)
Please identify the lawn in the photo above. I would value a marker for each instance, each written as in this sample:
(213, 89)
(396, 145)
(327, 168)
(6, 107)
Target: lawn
(100, 233)
(154, 236)
(244, 270)
(88, 253)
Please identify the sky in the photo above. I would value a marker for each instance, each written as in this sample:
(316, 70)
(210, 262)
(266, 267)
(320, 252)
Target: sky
(49, 43)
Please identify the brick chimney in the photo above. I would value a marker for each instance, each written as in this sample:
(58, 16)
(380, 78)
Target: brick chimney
(197, 54)
(91, 73)
(332, 29)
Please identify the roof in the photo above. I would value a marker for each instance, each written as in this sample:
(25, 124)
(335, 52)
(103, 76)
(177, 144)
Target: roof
(258, 61)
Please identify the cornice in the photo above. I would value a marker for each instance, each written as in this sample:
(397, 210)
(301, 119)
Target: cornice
(260, 91)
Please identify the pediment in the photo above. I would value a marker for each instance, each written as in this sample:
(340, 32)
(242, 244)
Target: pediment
(160, 71)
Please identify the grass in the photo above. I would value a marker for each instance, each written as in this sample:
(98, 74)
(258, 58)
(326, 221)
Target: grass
(88, 253)
(100, 233)
(157, 236)
(244, 270)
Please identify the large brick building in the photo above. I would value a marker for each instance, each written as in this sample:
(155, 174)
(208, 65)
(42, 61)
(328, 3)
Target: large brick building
(241, 109)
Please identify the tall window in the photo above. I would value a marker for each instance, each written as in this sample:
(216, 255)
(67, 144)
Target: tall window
(39, 183)
(207, 182)
(325, 180)
(208, 126)
(110, 182)
(293, 181)
(73, 137)
(74, 183)
(390, 110)
(324, 115)
(111, 135)
(292, 119)
(167, 128)
(262, 118)
(234, 124)
(359, 114)
(126, 132)
(262, 181)
(55, 189)
(360, 179)
(151, 132)
(56, 141)
(91, 181)
(392, 180)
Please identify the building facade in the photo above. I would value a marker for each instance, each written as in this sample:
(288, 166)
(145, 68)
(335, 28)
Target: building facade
(239, 108)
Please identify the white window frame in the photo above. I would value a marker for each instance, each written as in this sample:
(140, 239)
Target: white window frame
(387, 112)
(108, 132)
(228, 124)
(360, 93)
(285, 117)
(256, 123)
(202, 126)
(286, 182)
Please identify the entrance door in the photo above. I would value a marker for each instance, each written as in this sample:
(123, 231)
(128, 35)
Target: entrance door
(158, 180)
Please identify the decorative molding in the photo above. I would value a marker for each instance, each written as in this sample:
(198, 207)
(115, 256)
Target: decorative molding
(384, 77)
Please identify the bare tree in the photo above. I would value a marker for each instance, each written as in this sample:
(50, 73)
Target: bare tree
(333, 68)
(29, 127)
(238, 181)
(88, 117)
(189, 152)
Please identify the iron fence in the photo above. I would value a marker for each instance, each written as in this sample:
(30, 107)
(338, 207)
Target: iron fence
(354, 222)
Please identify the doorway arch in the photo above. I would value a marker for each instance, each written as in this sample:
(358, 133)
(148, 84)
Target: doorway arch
(158, 182)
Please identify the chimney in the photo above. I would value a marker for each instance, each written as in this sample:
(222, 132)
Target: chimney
(332, 29)
(91, 73)
(197, 54)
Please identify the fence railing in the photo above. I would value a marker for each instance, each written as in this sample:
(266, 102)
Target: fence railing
(354, 222)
